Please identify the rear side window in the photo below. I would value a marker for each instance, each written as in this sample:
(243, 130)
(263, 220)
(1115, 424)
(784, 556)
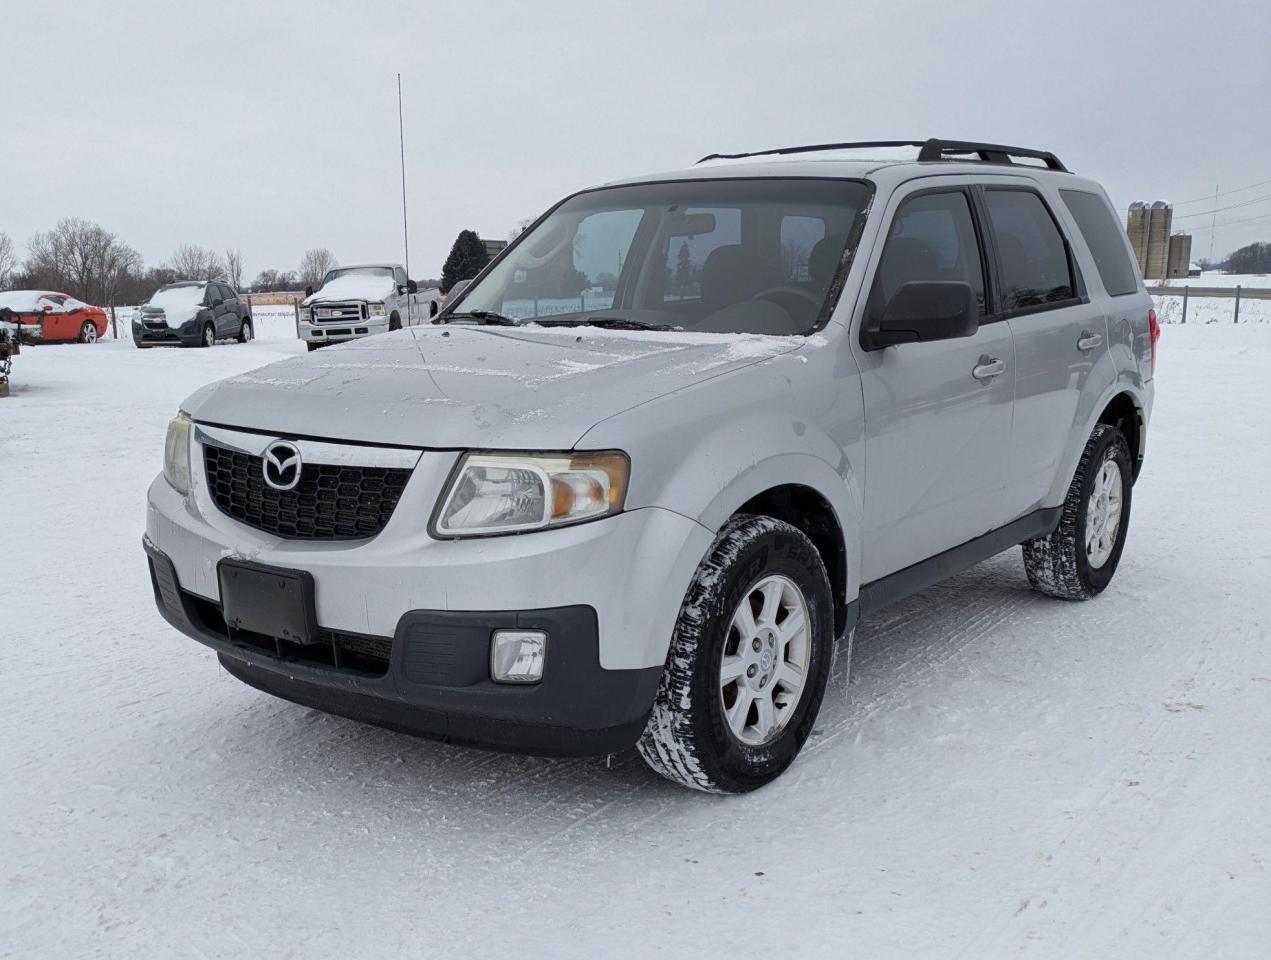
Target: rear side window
(1031, 252)
(932, 238)
(1105, 239)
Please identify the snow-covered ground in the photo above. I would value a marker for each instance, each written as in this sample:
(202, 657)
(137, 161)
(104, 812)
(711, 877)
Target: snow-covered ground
(1004, 775)
(1216, 278)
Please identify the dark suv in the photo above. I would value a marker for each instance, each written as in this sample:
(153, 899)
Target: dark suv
(192, 313)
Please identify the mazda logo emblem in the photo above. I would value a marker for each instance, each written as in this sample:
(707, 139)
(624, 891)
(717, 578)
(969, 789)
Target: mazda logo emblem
(281, 465)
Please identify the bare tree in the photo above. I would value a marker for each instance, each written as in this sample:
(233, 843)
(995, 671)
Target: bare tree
(82, 259)
(315, 264)
(521, 226)
(192, 262)
(234, 268)
(8, 261)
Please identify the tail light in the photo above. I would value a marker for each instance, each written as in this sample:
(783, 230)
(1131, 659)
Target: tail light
(1154, 333)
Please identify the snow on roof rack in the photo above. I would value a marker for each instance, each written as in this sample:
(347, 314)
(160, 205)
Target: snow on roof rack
(929, 150)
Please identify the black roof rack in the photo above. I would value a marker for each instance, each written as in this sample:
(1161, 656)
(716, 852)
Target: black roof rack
(929, 150)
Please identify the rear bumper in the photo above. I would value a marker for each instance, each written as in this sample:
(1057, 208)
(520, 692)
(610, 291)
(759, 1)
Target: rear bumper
(435, 677)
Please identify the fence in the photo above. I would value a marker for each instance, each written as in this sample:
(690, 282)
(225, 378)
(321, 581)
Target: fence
(1236, 295)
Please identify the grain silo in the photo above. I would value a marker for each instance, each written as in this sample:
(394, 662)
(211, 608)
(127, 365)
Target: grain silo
(1136, 228)
(1160, 218)
(1180, 256)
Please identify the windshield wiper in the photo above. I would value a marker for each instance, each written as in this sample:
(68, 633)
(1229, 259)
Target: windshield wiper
(612, 323)
(485, 318)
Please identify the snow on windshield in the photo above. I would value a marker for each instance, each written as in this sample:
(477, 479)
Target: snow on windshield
(21, 299)
(183, 296)
(358, 272)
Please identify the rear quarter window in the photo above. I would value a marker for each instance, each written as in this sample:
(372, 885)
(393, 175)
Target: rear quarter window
(1104, 237)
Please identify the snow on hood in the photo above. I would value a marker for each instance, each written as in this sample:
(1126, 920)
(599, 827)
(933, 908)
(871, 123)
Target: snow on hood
(459, 386)
(353, 286)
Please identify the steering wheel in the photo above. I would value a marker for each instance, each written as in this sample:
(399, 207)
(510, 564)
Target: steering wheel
(776, 293)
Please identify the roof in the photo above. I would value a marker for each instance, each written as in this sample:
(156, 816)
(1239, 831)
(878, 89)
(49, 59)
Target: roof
(860, 161)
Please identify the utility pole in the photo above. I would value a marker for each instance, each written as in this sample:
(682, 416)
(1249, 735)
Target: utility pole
(1214, 226)
(401, 135)
(406, 235)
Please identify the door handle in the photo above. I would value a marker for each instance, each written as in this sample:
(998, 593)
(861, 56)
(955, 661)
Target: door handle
(1089, 341)
(988, 368)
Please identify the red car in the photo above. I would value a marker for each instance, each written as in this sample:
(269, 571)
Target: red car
(45, 317)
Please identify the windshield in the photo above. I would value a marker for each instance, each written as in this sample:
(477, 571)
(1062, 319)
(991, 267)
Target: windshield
(185, 295)
(358, 272)
(723, 256)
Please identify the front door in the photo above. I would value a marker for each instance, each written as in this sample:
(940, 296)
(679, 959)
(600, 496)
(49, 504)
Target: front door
(937, 415)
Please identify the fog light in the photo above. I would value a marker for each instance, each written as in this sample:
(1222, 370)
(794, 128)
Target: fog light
(516, 656)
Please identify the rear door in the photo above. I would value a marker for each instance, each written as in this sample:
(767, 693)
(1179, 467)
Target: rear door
(1059, 333)
(937, 415)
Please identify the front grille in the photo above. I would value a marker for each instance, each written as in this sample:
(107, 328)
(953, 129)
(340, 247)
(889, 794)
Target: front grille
(330, 502)
(336, 312)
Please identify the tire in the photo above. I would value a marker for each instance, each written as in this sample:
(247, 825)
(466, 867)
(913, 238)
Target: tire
(394, 322)
(208, 339)
(1067, 564)
(245, 331)
(88, 332)
(690, 738)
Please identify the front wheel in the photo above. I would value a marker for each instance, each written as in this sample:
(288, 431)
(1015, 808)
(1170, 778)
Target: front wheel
(209, 336)
(245, 331)
(88, 332)
(394, 322)
(1077, 561)
(748, 661)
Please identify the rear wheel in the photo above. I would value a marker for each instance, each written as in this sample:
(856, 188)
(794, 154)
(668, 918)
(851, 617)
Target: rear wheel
(1077, 561)
(748, 661)
(245, 332)
(88, 332)
(209, 336)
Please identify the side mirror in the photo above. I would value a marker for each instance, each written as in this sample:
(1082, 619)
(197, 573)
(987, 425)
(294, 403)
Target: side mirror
(412, 286)
(309, 290)
(48, 308)
(922, 311)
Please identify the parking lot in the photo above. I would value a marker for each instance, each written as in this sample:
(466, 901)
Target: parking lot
(1002, 774)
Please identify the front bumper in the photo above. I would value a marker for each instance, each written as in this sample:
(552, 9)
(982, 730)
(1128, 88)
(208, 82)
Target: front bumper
(188, 334)
(435, 678)
(337, 331)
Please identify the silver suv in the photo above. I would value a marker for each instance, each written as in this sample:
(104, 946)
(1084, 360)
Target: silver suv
(664, 453)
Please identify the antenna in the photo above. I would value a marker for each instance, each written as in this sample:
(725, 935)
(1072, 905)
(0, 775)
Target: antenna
(401, 135)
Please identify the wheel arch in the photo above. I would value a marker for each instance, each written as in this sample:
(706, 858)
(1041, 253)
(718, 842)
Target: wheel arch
(1125, 413)
(808, 493)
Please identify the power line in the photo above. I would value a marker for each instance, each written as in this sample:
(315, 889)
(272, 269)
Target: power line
(1232, 206)
(1228, 223)
(1225, 193)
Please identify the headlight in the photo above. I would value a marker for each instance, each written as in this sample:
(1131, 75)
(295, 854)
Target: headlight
(303, 314)
(375, 309)
(176, 453)
(513, 492)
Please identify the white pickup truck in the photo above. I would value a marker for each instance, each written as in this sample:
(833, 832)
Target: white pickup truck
(360, 300)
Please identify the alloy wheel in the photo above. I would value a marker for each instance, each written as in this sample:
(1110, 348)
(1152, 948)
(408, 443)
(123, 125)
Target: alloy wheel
(765, 660)
(1103, 514)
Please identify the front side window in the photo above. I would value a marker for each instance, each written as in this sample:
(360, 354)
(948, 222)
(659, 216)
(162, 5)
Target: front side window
(1032, 256)
(932, 237)
(399, 276)
(1106, 240)
(702, 255)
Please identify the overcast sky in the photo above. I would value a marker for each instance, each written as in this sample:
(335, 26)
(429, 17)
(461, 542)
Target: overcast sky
(272, 126)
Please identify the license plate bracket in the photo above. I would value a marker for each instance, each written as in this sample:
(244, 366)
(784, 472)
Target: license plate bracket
(274, 601)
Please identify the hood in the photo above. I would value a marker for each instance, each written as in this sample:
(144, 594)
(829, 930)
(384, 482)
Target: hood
(174, 315)
(353, 287)
(460, 386)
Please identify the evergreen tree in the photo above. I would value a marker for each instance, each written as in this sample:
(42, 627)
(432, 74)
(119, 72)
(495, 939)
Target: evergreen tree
(684, 268)
(467, 258)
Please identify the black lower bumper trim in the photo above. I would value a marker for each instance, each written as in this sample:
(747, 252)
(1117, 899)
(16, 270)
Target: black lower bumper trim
(438, 683)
